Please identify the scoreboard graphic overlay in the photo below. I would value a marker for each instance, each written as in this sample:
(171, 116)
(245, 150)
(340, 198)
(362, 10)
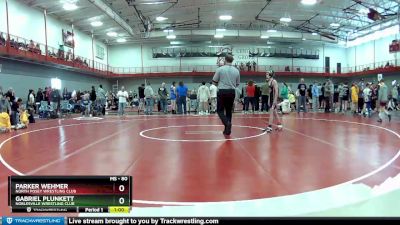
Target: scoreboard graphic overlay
(90, 194)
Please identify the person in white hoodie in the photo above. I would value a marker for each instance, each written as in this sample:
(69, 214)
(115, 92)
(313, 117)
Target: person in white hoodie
(367, 93)
(203, 94)
(122, 96)
(149, 97)
(213, 97)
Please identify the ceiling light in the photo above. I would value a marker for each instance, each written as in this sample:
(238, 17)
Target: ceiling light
(225, 17)
(112, 34)
(264, 37)
(218, 36)
(161, 18)
(220, 29)
(269, 47)
(286, 19)
(315, 34)
(70, 6)
(121, 40)
(175, 42)
(308, 2)
(96, 23)
(303, 39)
(171, 36)
(335, 25)
(168, 31)
(271, 31)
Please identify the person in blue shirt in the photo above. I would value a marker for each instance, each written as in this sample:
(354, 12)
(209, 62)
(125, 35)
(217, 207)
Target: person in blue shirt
(315, 96)
(181, 91)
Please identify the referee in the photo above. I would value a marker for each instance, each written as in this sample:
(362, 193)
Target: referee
(227, 78)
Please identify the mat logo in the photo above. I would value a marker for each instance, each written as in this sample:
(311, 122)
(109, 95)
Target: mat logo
(28, 209)
(9, 220)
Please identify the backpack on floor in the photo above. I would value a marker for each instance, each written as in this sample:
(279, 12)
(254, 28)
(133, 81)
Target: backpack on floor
(31, 118)
(53, 115)
(285, 104)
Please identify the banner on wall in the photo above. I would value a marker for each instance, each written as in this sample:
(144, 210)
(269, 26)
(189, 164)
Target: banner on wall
(99, 52)
(394, 46)
(68, 38)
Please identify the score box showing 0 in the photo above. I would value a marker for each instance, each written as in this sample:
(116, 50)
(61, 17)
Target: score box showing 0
(62, 200)
(68, 191)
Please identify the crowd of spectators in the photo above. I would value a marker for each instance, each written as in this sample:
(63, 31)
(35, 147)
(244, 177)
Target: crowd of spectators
(254, 97)
(33, 47)
(13, 113)
(2, 39)
(251, 66)
(68, 56)
(48, 103)
(360, 98)
(23, 46)
(175, 99)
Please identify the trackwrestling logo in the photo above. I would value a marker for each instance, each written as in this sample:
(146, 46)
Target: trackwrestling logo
(33, 220)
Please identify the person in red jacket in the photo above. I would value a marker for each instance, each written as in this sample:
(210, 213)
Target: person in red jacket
(250, 91)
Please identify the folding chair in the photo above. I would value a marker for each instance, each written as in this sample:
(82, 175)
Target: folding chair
(97, 108)
(66, 108)
(44, 110)
(85, 107)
